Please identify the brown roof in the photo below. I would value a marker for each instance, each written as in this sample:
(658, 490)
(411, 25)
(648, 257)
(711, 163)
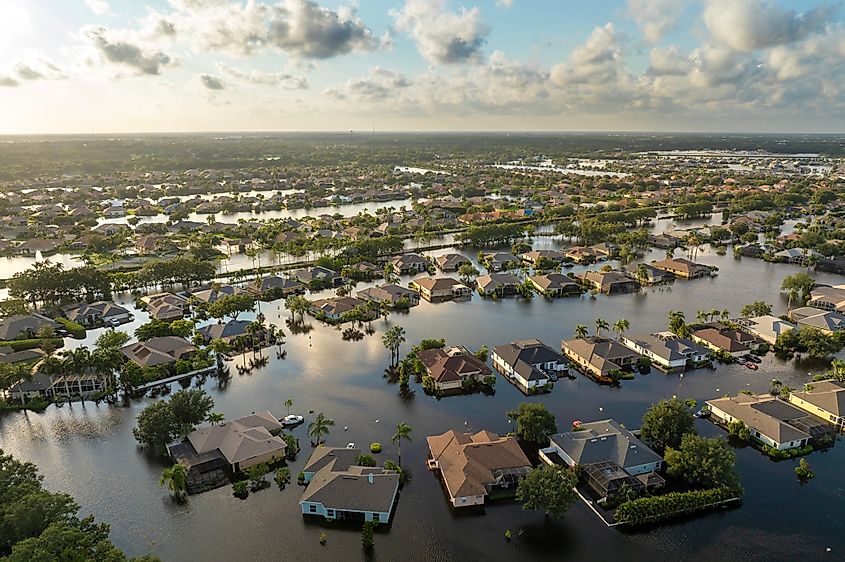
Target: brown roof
(451, 364)
(828, 395)
(467, 462)
(436, 284)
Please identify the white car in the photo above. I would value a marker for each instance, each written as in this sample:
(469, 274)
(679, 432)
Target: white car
(350, 445)
(292, 419)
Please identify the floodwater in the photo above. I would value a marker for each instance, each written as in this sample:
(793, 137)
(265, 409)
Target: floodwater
(90, 453)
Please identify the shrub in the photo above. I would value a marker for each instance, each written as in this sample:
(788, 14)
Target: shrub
(375, 448)
(490, 380)
(738, 429)
(323, 538)
(778, 455)
(75, 329)
(368, 534)
(282, 476)
(803, 471)
(365, 460)
(658, 508)
(239, 489)
(292, 445)
(22, 345)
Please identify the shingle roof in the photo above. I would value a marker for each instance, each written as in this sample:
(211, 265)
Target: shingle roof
(359, 488)
(827, 395)
(468, 461)
(241, 439)
(605, 440)
(765, 413)
(448, 365)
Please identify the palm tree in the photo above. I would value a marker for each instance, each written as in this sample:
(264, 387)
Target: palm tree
(319, 428)
(288, 404)
(642, 273)
(389, 341)
(601, 325)
(175, 478)
(580, 331)
(726, 314)
(403, 431)
(620, 326)
(701, 316)
(219, 347)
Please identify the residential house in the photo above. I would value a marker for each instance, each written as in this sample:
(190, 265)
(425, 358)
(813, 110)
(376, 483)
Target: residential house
(390, 294)
(610, 282)
(650, 275)
(768, 328)
(24, 326)
(499, 284)
(499, 261)
(153, 243)
(333, 308)
(581, 254)
(338, 489)
(320, 275)
(798, 256)
(530, 364)
(228, 332)
(35, 246)
(828, 322)
(216, 292)
(410, 264)
(824, 297)
(156, 351)
(667, 350)
(609, 456)
(435, 289)
(598, 357)
(823, 399)
(232, 446)
(166, 307)
(772, 421)
(729, 340)
(98, 313)
(683, 268)
(452, 367)
(549, 256)
(664, 241)
(40, 385)
(450, 262)
(472, 466)
(273, 287)
(110, 228)
(554, 285)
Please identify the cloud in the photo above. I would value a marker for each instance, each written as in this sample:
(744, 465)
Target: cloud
(99, 7)
(8, 82)
(655, 17)
(307, 30)
(667, 61)
(283, 79)
(37, 68)
(126, 54)
(504, 3)
(442, 36)
(212, 82)
(380, 84)
(301, 28)
(749, 25)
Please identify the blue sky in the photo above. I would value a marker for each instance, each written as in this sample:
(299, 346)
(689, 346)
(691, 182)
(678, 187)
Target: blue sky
(671, 65)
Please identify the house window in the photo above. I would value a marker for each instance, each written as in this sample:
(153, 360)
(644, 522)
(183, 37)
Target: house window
(312, 508)
(329, 513)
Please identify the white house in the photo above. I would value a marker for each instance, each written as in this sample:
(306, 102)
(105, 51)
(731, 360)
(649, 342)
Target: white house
(530, 364)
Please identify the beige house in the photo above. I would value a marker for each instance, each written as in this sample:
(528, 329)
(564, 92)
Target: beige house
(473, 465)
(597, 357)
(825, 400)
(439, 288)
(451, 366)
(244, 442)
(683, 268)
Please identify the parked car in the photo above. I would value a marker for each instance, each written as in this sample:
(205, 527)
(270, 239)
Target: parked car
(292, 419)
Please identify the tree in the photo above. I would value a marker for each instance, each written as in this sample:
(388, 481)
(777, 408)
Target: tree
(214, 418)
(368, 534)
(175, 478)
(154, 426)
(365, 460)
(467, 272)
(231, 306)
(220, 348)
(756, 308)
(319, 428)
(288, 404)
(601, 325)
(548, 488)
(389, 273)
(581, 331)
(393, 340)
(481, 353)
(297, 305)
(665, 423)
(797, 285)
(702, 462)
(190, 408)
(677, 324)
(534, 423)
(403, 431)
(620, 326)
(803, 471)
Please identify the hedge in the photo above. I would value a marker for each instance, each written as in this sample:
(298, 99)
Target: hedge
(75, 329)
(22, 345)
(657, 508)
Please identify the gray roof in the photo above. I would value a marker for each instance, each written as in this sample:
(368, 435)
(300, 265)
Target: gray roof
(274, 282)
(102, 309)
(602, 441)
(828, 395)
(389, 292)
(241, 439)
(765, 413)
(670, 348)
(323, 456)
(13, 326)
(317, 272)
(158, 351)
(231, 329)
(357, 488)
(523, 355)
(555, 281)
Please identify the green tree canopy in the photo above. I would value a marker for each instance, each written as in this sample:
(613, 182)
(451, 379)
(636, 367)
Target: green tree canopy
(665, 423)
(703, 462)
(550, 489)
(534, 423)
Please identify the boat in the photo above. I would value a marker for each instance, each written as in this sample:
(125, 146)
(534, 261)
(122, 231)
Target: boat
(292, 419)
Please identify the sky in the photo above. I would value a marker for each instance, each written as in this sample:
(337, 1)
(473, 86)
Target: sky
(109, 66)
